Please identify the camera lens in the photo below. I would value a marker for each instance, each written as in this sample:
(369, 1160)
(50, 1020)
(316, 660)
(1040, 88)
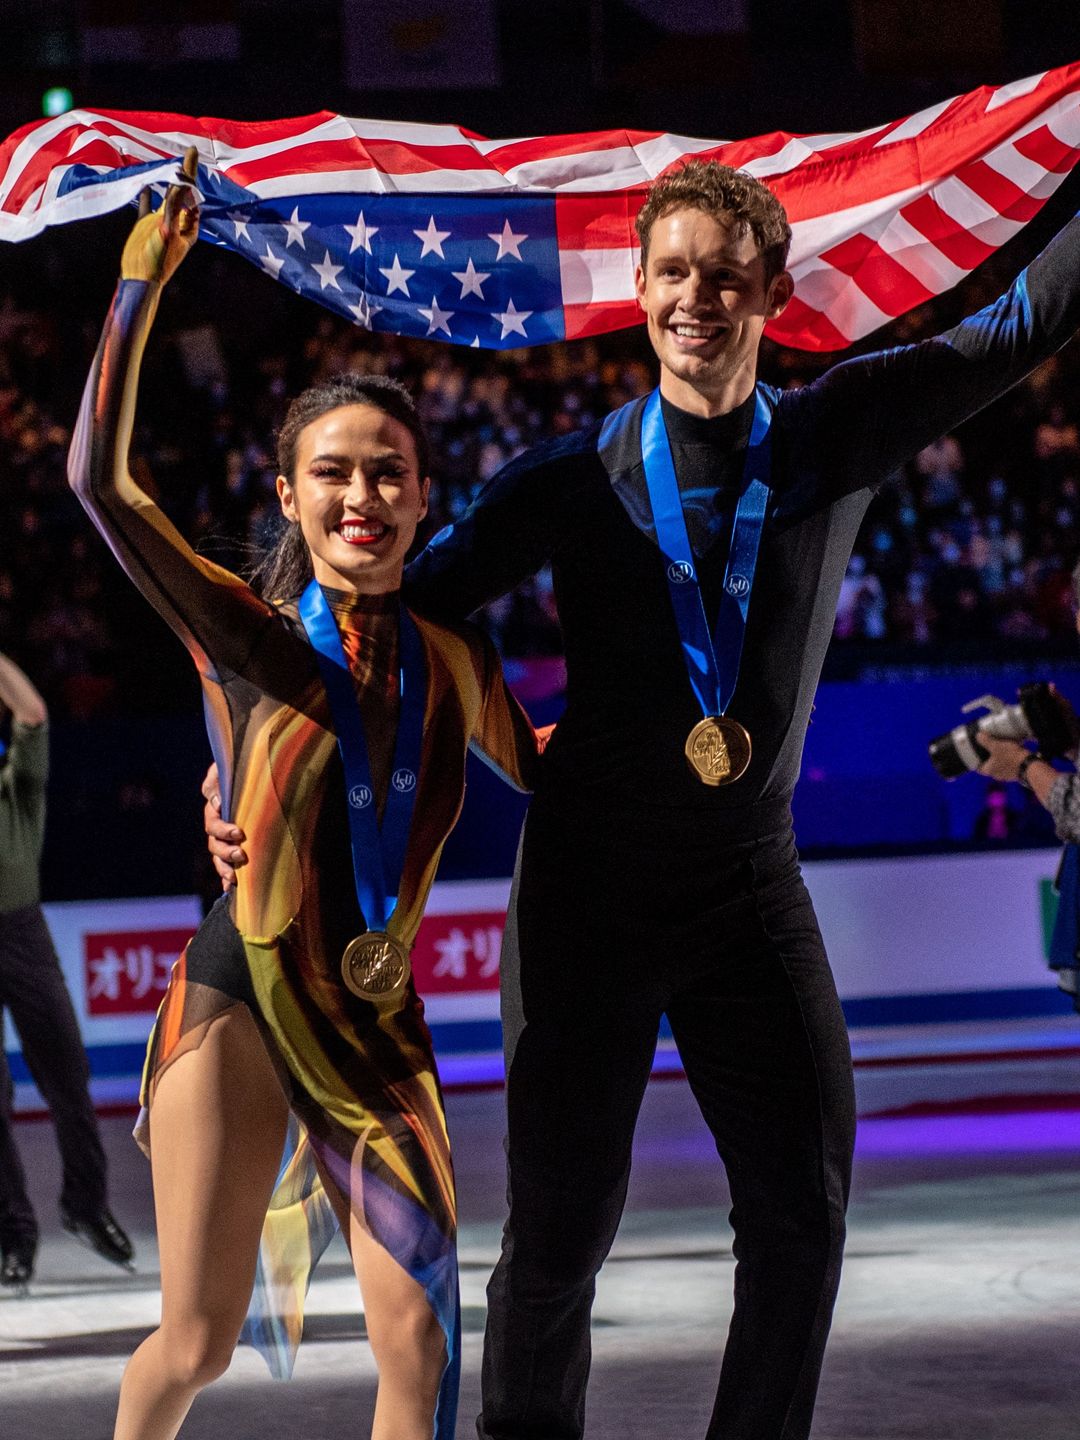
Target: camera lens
(957, 752)
(944, 757)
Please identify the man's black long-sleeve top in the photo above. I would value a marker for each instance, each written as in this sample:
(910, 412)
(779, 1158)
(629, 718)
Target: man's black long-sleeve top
(582, 505)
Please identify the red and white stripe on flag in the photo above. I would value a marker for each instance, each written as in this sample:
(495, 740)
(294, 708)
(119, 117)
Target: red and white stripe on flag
(882, 220)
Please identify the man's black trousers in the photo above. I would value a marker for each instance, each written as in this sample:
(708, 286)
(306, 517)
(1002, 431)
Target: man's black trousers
(621, 919)
(33, 992)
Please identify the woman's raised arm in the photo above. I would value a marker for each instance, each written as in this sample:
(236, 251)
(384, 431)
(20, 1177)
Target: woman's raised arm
(214, 613)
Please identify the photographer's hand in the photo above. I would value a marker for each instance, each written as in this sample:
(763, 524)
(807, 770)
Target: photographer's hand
(1006, 757)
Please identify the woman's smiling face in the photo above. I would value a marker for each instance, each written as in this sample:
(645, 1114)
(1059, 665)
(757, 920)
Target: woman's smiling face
(357, 494)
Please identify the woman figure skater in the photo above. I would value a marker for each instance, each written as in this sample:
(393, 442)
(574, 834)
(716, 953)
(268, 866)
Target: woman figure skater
(340, 724)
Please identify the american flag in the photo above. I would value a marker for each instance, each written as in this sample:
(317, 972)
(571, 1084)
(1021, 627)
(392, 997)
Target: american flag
(432, 231)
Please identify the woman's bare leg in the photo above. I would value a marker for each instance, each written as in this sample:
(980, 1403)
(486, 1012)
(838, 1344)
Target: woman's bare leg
(217, 1132)
(407, 1340)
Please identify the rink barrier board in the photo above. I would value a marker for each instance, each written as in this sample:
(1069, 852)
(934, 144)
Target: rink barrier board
(940, 965)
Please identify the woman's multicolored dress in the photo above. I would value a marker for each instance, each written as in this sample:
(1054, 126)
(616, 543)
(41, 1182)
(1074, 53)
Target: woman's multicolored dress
(361, 1081)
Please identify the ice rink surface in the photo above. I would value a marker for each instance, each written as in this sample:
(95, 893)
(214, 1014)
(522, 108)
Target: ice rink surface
(958, 1315)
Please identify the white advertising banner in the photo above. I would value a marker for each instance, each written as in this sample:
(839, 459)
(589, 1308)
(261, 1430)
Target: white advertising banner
(928, 924)
(934, 956)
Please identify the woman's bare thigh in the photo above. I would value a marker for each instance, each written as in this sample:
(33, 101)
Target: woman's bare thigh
(217, 1131)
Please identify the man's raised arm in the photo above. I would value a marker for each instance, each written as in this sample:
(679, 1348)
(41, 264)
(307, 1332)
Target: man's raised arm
(871, 414)
(508, 533)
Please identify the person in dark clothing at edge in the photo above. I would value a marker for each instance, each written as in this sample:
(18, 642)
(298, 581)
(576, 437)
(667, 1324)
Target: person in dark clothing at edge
(33, 992)
(658, 872)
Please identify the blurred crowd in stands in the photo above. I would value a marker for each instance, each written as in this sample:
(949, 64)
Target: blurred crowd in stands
(967, 550)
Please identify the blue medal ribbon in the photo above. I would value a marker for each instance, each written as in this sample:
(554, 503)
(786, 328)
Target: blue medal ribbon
(712, 661)
(378, 852)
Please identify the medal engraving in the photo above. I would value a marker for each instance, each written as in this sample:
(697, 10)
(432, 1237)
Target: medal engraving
(718, 750)
(375, 966)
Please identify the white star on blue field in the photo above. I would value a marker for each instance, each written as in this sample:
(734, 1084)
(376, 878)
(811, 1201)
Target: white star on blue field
(478, 271)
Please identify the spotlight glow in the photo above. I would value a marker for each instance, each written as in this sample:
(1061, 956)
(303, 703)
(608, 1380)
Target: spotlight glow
(57, 100)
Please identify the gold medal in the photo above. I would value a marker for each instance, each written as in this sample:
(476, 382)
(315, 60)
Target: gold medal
(375, 966)
(718, 750)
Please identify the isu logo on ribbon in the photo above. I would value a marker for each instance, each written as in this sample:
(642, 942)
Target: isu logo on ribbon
(403, 781)
(680, 572)
(360, 797)
(738, 586)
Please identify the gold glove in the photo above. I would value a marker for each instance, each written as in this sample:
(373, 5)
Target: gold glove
(161, 239)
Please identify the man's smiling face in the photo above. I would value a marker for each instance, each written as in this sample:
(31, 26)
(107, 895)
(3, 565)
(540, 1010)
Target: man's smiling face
(706, 299)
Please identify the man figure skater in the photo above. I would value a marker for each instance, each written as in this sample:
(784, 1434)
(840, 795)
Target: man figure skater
(697, 542)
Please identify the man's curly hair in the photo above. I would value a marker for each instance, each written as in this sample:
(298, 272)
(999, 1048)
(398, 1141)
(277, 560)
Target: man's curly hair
(725, 193)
